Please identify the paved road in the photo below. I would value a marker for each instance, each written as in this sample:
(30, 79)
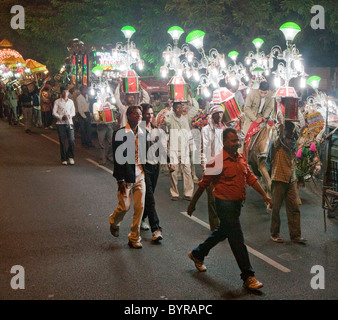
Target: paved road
(54, 223)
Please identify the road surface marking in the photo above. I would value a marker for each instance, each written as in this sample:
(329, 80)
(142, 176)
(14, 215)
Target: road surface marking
(49, 138)
(98, 165)
(251, 250)
(89, 160)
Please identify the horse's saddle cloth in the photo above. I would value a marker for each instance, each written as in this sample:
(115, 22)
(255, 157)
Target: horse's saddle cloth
(255, 135)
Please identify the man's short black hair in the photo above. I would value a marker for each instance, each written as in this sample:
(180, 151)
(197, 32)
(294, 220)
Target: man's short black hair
(175, 104)
(131, 109)
(227, 131)
(157, 96)
(146, 106)
(63, 89)
(264, 86)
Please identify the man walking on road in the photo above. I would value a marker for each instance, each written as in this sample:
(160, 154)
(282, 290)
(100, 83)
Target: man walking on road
(130, 176)
(283, 176)
(212, 144)
(84, 117)
(152, 170)
(64, 111)
(229, 192)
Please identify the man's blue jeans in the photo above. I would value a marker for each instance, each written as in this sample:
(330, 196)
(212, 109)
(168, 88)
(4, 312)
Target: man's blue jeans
(66, 132)
(228, 213)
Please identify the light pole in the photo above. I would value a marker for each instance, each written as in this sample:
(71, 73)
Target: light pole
(327, 104)
(236, 71)
(258, 63)
(176, 59)
(293, 67)
(127, 55)
(214, 64)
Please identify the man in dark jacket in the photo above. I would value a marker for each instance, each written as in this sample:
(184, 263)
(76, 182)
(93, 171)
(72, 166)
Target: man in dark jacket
(130, 176)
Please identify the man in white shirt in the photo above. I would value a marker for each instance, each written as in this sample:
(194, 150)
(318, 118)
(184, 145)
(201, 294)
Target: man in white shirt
(64, 111)
(84, 117)
(129, 101)
(212, 144)
(180, 140)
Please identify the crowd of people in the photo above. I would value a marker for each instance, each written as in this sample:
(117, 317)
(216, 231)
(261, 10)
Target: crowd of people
(167, 131)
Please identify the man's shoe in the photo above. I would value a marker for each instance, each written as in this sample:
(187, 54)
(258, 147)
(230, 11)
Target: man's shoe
(71, 161)
(174, 198)
(299, 240)
(114, 230)
(157, 235)
(187, 198)
(144, 225)
(277, 239)
(64, 163)
(252, 283)
(198, 264)
(135, 245)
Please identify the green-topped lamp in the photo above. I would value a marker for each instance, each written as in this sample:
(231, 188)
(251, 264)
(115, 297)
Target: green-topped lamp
(290, 30)
(313, 82)
(195, 38)
(128, 31)
(233, 55)
(98, 71)
(258, 42)
(175, 32)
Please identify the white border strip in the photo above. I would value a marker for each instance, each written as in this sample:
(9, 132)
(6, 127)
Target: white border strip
(98, 165)
(251, 250)
(49, 138)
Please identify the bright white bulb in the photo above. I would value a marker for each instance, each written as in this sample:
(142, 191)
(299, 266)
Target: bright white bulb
(114, 53)
(277, 82)
(190, 56)
(163, 72)
(222, 63)
(206, 92)
(196, 75)
(297, 64)
(140, 65)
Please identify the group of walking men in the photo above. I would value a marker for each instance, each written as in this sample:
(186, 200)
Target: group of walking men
(225, 170)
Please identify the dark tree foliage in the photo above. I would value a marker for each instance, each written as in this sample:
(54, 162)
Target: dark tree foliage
(229, 25)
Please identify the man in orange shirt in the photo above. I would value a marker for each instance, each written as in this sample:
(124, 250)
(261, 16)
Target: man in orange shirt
(229, 192)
